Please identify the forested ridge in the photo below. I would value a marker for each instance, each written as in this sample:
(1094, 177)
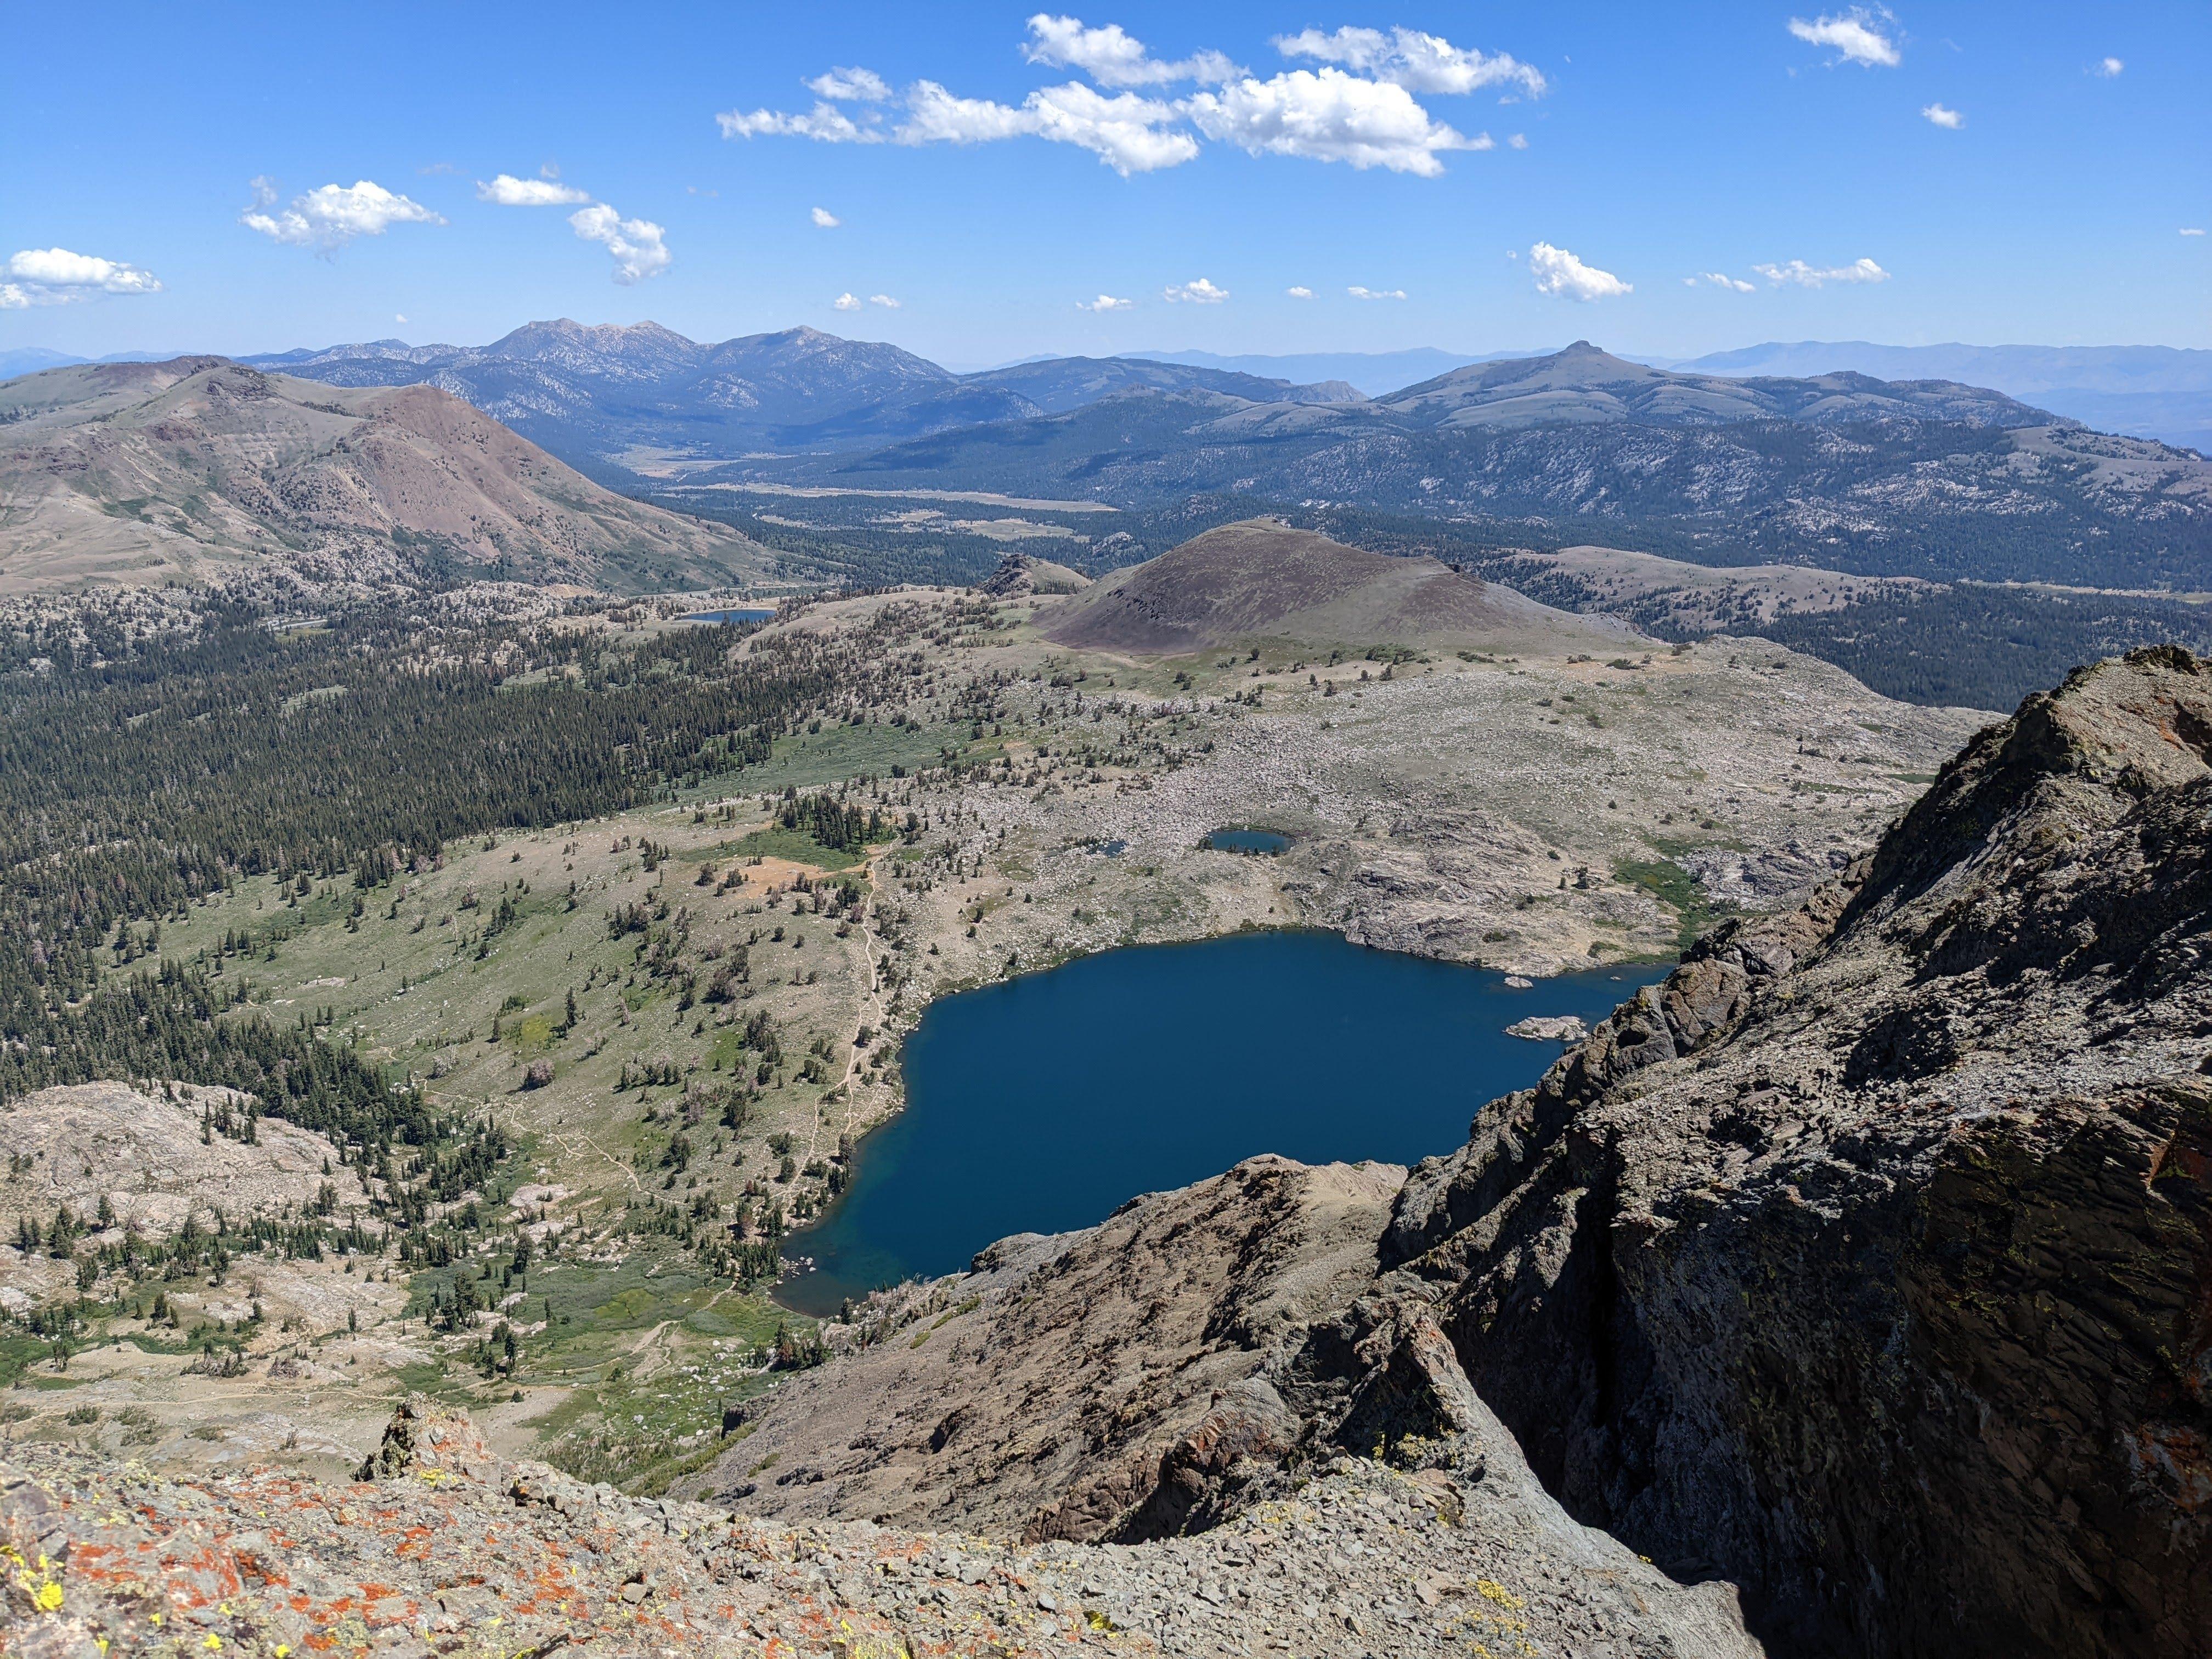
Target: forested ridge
(132, 786)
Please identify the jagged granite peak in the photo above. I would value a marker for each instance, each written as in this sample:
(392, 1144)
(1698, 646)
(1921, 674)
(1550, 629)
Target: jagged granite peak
(1861, 1263)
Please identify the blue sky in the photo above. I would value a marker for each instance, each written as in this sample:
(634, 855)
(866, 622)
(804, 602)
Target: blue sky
(1685, 178)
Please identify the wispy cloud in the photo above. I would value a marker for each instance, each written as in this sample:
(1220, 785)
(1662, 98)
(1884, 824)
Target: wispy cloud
(2192, 230)
(1720, 279)
(1299, 292)
(1415, 61)
(884, 300)
(1798, 274)
(824, 219)
(1856, 36)
(1113, 57)
(507, 190)
(327, 218)
(1943, 116)
(56, 276)
(850, 86)
(1198, 292)
(2108, 68)
(825, 124)
(1104, 302)
(1518, 141)
(639, 245)
(1560, 272)
(1358, 293)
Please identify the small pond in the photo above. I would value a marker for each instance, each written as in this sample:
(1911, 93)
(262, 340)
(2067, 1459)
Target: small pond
(743, 613)
(1041, 1103)
(1247, 841)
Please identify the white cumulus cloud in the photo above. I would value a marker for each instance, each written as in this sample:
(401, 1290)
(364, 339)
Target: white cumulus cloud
(2109, 69)
(2192, 230)
(329, 217)
(1519, 141)
(1198, 293)
(1104, 302)
(850, 86)
(1558, 271)
(507, 190)
(1326, 115)
(56, 276)
(884, 300)
(1857, 35)
(1368, 119)
(846, 302)
(1801, 275)
(824, 219)
(824, 124)
(638, 245)
(1128, 133)
(1943, 116)
(1358, 293)
(1720, 279)
(1113, 57)
(1415, 61)
(1300, 292)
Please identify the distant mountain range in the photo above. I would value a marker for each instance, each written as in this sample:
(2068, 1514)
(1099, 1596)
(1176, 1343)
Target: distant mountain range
(1930, 475)
(1928, 479)
(2144, 392)
(639, 397)
(800, 389)
(1375, 374)
(29, 360)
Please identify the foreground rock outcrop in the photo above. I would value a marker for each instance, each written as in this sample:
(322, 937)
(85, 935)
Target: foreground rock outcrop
(1866, 1262)
(447, 1551)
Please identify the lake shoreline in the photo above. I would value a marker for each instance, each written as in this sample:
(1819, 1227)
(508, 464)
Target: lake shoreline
(1399, 1051)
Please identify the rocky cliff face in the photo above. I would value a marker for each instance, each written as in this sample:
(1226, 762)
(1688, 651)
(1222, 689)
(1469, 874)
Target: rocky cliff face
(1865, 1261)
(1867, 1258)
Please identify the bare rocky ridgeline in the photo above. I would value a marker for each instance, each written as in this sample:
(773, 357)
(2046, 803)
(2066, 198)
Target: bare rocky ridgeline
(439, 1547)
(1861, 1263)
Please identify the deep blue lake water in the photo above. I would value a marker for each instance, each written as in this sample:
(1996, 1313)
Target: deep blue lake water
(1042, 1103)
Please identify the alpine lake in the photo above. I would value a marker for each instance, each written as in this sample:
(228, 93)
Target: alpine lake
(1043, 1103)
